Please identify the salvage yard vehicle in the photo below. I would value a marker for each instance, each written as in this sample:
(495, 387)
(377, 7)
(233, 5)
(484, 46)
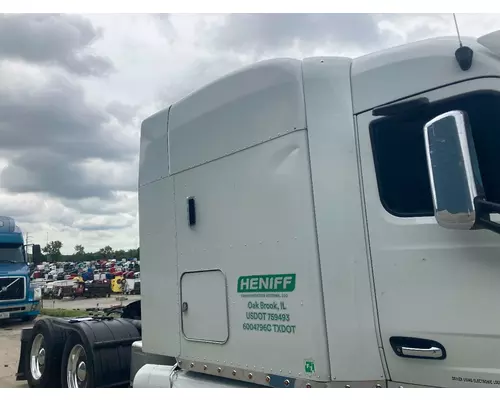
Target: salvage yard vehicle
(66, 288)
(77, 288)
(326, 222)
(98, 288)
(118, 284)
(19, 298)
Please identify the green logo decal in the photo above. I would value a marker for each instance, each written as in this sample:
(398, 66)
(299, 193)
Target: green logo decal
(266, 283)
(309, 367)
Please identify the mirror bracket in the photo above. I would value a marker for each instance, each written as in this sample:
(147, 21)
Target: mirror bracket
(483, 210)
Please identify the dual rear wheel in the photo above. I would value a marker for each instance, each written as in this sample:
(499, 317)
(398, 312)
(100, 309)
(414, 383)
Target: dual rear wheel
(80, 353)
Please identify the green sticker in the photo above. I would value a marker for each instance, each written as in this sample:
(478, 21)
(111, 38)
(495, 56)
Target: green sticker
(309, 367)
(266, 283)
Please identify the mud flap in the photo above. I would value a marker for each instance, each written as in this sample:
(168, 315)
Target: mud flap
(25, 338)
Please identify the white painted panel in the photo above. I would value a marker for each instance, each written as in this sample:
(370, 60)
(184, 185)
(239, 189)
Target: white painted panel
(153, 149)
(348, 295)
(255, 217)
(238, 111)
(434, 283)
(401, 71)
(159, 290)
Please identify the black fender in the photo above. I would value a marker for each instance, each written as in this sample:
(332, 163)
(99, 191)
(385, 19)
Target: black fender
(132, 310)
(108, 347)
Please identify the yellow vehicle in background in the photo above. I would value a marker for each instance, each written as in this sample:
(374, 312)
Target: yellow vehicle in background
(118, 284)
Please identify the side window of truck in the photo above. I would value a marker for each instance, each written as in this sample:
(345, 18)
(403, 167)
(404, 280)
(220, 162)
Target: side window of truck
(399, 152)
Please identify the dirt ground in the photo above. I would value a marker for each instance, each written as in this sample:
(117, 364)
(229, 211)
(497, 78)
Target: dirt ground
(10, 344)
(10, 335)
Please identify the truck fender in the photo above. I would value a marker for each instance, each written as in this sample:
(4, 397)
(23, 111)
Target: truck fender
(132, 310)
(103, 349)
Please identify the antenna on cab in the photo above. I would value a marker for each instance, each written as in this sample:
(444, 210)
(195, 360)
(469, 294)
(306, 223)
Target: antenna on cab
(463, 54)
(458, 30)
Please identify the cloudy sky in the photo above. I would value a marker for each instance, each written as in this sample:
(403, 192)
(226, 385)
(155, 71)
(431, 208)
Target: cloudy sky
(75, 88)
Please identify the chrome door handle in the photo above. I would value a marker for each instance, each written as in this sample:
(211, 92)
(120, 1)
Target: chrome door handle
(412, 347)
(431, 352)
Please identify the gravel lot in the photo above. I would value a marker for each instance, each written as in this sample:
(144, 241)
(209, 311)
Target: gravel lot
(10, 344)
(10, 335)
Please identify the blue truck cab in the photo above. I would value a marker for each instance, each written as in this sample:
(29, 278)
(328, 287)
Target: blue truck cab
(18, 298)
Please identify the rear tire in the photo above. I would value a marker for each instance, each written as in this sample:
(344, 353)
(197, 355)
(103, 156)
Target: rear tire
(76, 367)
(43, 356)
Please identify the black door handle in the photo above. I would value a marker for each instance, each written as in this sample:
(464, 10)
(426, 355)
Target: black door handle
(191, 211)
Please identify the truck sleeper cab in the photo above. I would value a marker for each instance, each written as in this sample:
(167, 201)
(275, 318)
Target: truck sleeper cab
(316, 171)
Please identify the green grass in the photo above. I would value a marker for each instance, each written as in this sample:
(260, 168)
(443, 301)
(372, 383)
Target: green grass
(61, 312)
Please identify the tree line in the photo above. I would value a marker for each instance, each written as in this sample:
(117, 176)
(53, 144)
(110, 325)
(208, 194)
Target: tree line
(52, 253)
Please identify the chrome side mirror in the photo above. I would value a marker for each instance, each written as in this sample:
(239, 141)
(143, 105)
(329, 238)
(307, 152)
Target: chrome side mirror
(453, 170)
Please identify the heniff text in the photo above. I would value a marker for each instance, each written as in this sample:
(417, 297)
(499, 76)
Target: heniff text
(266, 283)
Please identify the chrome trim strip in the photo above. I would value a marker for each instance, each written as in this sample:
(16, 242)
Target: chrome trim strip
(268, 379)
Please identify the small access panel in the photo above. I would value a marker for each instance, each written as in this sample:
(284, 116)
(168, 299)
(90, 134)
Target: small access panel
(204, 306)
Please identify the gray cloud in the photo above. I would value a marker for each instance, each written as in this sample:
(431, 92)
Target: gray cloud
(29, 209)
(60, 176)
(103, 227)
(56, 117)
(104, 223)
(264, 33)
(120, 204)
(164, 23)
(49, 130)
(18, 208)
(361, 33)
(122, 112)
(50, 39)
(46, 172)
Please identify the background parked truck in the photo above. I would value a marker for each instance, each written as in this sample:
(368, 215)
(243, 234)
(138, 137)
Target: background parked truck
(18, 297)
